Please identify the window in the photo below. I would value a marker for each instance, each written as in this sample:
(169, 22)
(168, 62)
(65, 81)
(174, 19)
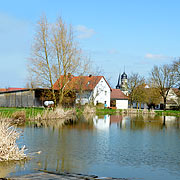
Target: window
(105, 93)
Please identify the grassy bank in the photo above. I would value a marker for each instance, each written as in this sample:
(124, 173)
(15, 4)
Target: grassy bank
(29, 112)
(107, 111)
(26, 115)
(168, 113)
(156, 112)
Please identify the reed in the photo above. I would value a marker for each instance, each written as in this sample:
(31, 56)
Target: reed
(9, 149)
(58, 113)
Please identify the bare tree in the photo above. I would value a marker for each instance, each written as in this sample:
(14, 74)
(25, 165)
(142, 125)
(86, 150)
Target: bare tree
(41, 62)
(56, 55)
(176, 69)
(134, 81)
(163, 79)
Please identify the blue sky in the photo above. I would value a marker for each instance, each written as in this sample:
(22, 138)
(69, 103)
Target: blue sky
(137, 34)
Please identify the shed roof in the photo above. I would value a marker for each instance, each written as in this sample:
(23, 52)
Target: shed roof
(118, 94)
(11, 89)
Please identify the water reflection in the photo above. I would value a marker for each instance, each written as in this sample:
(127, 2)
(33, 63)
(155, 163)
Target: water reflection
(117, 146)
(136, 122)
(9, 167)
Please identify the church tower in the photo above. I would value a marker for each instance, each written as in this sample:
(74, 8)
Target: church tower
(118, 84)
(123, 84)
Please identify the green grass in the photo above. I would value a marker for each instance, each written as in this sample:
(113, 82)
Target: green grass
(168, 112)
(107, 111)
(30, 112)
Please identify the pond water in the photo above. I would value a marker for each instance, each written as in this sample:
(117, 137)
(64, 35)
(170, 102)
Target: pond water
(133, 147)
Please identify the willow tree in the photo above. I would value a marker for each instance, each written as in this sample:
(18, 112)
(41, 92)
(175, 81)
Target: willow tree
(55, 53)
(163, 78)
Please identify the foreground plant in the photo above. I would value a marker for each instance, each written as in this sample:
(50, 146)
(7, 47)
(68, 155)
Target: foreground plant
(9, 149)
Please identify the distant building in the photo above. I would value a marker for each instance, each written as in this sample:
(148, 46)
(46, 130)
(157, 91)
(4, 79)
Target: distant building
(21, 97)
(123, 83)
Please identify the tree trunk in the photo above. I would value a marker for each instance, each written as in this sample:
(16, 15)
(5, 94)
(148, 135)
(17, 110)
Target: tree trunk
(165, 103)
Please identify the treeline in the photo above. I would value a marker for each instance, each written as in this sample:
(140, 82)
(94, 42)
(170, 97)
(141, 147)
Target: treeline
(155, 89)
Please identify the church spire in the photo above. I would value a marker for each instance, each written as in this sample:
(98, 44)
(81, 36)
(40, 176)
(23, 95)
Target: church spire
(118, 84)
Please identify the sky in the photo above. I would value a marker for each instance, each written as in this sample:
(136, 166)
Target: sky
(133, 35)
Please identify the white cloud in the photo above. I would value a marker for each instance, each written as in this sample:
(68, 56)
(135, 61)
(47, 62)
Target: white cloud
(157, 56)
(84, 32)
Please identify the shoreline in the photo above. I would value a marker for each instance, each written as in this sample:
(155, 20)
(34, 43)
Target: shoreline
(47, 175)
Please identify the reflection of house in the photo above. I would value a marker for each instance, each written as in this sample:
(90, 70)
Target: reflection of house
(119, 99)
(101, 123)
(88, 89)
(20, 97)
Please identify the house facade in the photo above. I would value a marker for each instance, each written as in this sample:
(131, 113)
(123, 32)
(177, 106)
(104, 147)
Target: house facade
(119, 99)
(88, 89)
(173, 99)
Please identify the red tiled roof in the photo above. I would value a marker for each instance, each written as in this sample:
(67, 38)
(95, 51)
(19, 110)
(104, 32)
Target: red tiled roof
(115, 118)
(10, 89)
(176, 91)
(118, 94)
(79, 82)
(1, 89)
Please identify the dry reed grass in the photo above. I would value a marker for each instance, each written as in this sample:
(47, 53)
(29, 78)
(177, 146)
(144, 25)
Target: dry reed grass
(58, 113)
(89, 112)
(8, 148)
(19, 117)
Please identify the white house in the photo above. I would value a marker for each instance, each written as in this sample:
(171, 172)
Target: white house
(89, 89)
(172, 100)
(119, 99)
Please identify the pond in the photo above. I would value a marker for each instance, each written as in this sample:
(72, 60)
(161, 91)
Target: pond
(134, 147)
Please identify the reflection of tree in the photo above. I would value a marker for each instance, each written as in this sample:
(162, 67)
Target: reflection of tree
(9, 167)
(152, 123)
